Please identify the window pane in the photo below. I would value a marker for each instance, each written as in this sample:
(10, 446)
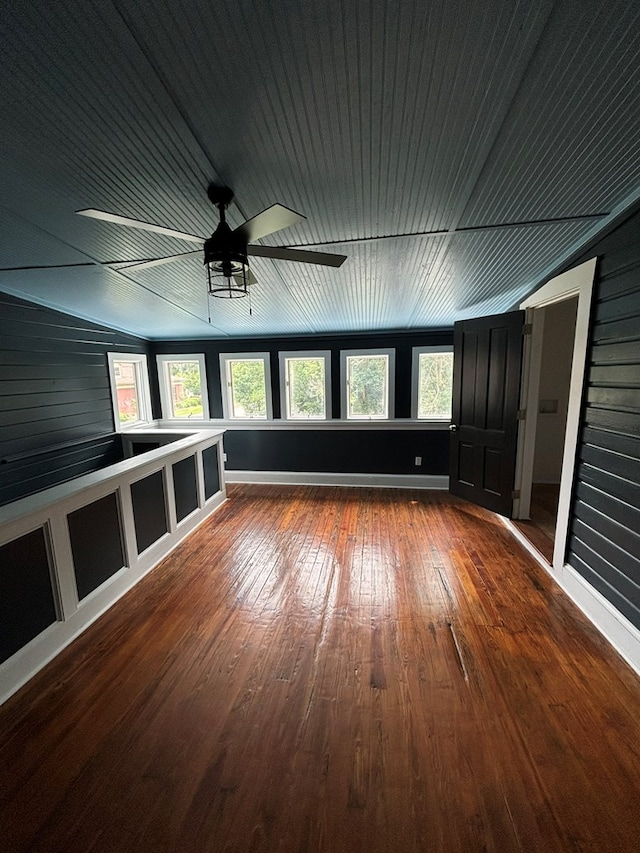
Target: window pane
(248, 391)
(435, 385)
(185, 385)
(367, 386)
(305, 388)
(127, 389)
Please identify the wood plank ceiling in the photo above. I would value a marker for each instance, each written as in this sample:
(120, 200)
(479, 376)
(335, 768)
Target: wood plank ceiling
(456, 151)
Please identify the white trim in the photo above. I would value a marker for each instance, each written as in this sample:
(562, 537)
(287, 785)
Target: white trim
(49, 510)
(163, 360)
(283, 357)
(623, 636)
(575, 282)
(225, 382)
(141, 369)
(314, 478)
(614, 627)
(333, 424)
(100, 482)
(529, 400)
(30, 659)
(416, 352)
(345, 355)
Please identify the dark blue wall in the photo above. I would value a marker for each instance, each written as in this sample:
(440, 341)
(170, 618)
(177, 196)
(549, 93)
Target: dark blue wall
(402, 342)
(604, 544)
(56, 416)
(350, 450)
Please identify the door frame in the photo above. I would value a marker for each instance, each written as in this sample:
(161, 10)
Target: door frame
(578, 282)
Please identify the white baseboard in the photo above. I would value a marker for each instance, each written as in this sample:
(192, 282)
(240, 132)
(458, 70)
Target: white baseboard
(616, 628)
(312, 478)
(623, 636)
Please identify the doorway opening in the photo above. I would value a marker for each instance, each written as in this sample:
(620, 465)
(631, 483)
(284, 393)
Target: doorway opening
(554, 362)
(557, 326)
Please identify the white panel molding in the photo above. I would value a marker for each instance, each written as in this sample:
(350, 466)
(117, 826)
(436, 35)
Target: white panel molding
(49, 509)
(315, 478)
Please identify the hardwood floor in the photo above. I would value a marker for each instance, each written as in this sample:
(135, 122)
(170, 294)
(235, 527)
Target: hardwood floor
(325, 669)
(540, 530)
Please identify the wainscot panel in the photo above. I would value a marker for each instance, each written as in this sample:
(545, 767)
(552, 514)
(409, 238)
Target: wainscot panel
(69, 552)
(27, 602)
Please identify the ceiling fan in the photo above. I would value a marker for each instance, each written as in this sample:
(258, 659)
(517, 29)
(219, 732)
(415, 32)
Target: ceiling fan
(226, 251)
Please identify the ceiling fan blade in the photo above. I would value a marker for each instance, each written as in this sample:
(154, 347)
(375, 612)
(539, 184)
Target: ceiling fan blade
(157, 262)
(273, 219)
(251, 279)
(136, 223)
(282, 253)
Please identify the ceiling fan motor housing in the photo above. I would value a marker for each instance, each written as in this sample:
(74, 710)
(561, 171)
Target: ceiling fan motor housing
(225, 252)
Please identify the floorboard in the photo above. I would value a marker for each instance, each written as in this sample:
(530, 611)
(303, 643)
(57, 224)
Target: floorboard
(540, 529)
(330, 669)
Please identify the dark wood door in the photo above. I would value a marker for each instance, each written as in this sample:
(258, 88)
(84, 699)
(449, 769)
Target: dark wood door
(484, 422)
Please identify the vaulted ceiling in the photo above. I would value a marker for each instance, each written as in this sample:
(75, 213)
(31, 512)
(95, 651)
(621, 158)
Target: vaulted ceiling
(457, 151)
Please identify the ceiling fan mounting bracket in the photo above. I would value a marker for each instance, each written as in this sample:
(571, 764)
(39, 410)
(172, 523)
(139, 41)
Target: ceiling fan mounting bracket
(219, 196)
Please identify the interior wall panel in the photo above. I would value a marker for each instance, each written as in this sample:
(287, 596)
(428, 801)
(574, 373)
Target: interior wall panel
(27, 603)
(149, 510)
(338, 451)
(185, 486)
(603, 544)
(96, 543)
(56, 417)
(211, 471)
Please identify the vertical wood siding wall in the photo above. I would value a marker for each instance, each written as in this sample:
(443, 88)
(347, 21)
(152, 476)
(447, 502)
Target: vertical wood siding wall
(604, 544)
(56, 418)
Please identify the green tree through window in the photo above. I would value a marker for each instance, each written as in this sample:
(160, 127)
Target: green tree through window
(305, 380)
(367, 377)
(248, 391)
(435, 384)
(186, 389)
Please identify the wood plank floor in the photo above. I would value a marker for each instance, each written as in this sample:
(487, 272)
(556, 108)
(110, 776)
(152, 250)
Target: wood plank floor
(322, 669)
(540, 530)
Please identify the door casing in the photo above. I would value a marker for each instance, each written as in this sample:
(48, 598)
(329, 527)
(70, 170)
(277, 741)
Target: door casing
(575, 282)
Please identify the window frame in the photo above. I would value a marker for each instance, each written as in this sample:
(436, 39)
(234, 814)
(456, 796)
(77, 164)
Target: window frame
(416, 352)
(391, 376)
(141, 369)
(225, 383)
(284, 388)
(163, 360)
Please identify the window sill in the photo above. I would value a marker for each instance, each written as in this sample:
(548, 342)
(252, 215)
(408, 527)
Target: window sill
(331, 424)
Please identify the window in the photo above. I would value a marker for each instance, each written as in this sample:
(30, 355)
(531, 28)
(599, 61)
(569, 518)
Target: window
(183, 386)
(432, 383)
(129, 389)
(305, 385)
(246, 385)
(367, 383)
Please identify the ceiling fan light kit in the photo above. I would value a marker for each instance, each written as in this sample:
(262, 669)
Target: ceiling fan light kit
(227, 286)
